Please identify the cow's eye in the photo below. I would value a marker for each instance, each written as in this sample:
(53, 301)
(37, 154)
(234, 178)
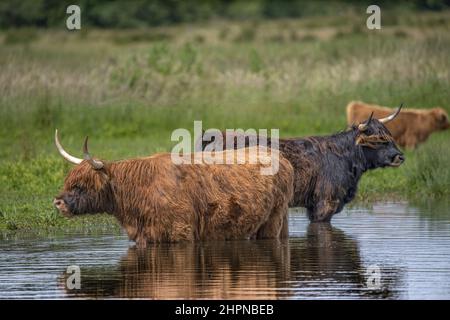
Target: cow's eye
(383, 142)
(377, 141)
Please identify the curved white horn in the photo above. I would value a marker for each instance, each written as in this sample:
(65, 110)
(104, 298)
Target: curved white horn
(63, 153)
(392, 116)
(363, 126)
(96, 164)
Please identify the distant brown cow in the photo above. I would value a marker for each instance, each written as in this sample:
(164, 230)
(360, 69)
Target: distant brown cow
(411, 127)
(156, 200)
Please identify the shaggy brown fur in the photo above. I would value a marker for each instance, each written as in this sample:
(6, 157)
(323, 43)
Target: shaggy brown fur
(410, 128)
(157, 201)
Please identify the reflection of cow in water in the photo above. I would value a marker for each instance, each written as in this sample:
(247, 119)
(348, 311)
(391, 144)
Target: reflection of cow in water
(324, 262)
(220, 270)
(327, 262)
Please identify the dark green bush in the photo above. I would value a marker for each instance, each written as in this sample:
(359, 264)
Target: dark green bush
(138, 13)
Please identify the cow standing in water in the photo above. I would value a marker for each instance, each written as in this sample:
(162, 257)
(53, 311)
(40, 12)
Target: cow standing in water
(156, 200)
(410, 128)
(327, 169)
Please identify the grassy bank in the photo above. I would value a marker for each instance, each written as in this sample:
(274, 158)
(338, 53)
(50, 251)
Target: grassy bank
(128, 90)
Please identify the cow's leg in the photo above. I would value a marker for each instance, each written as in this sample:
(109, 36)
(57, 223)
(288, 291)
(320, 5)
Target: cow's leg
(135, 235)
(410, 140)
(276, 226)
(284, 234)
(411, 146)
(141, 242)
(324, 210)
(271, 229)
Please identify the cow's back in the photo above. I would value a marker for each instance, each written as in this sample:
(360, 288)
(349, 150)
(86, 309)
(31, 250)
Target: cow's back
(233, 200)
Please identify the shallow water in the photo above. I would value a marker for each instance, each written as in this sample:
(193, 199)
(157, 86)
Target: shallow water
(410, 245)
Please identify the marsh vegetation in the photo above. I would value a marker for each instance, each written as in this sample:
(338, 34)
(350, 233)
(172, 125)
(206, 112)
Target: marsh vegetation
(129, 89)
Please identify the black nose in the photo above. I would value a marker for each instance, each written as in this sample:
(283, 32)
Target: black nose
(57, 202)
(401, 157)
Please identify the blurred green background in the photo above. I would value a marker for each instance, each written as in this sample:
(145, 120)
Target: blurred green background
(137, 70)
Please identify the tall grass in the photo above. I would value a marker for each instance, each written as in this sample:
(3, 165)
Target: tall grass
(429, 176)
(128, 96)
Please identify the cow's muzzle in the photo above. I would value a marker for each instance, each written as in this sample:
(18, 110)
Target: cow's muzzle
(397, 160)
(62, 207)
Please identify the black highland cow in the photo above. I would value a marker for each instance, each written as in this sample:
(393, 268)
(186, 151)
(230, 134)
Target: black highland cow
(327, 169)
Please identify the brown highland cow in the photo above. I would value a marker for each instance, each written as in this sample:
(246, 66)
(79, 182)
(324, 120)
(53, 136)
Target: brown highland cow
(410, 128)
(158, 201)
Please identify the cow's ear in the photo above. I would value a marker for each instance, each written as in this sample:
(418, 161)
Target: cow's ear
(440, 115)
(444, 116)
(105, 171)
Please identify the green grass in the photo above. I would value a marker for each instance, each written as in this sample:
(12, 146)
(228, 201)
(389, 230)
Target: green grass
(128, 90)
